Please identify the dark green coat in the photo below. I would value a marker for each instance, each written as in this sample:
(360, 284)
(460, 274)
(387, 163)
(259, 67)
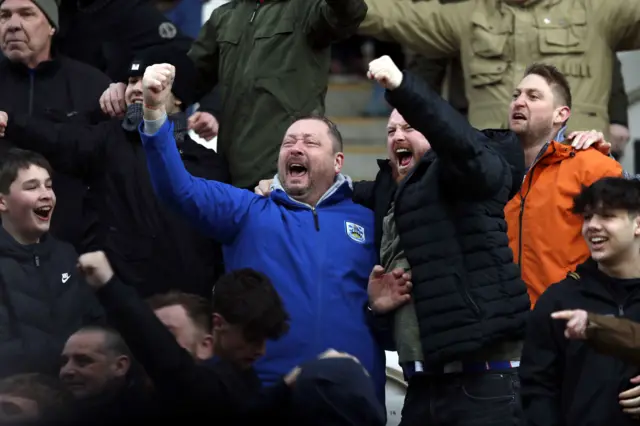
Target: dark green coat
(271, 59)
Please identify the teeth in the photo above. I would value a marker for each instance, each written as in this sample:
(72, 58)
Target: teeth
(402, 151)
(597, 240)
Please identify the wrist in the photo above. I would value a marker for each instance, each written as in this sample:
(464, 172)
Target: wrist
(152, 113)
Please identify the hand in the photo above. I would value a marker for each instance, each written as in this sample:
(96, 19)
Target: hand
(388, 291)
(4, 120)
(385, 72)
(156, 86)
(264, 187)
(112, 100)
(204, 124)
(96, 269)
(584, 139)
(630, 399)
(619, 138)
(577, 322)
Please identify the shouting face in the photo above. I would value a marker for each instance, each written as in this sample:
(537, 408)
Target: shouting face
(405, 145)
(308, 161)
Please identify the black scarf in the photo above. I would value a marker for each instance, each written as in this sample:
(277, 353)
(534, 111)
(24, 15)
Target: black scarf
(133, 118)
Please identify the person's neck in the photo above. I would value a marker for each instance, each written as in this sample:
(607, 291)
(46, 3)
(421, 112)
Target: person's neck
(627, 268)
(532, 147)
(21, 239)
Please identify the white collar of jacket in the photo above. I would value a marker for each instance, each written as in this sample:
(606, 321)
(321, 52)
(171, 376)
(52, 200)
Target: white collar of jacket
(341, 181)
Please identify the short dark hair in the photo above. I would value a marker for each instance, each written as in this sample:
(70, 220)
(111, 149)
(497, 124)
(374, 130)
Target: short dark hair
(113, 341)
(610, 193)
(247, 298)
(555, 79)
(53, 399)
(334, 133)
(198, 308)
(15, 160)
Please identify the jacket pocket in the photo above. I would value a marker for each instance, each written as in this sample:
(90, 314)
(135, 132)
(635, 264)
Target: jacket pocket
(488, 44)
(562, 35)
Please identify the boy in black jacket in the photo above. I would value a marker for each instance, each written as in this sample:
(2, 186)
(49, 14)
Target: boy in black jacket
(567, 382)
(151, 248)
(42, 298)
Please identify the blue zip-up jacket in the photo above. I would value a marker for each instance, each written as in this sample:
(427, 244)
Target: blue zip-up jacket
(319, 259)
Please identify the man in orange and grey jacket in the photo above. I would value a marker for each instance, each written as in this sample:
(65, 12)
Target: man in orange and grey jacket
(543, 233)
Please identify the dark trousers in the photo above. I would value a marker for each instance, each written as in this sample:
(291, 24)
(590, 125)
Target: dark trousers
(489, 398)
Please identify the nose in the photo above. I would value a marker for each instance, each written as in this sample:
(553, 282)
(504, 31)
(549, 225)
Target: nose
(593, 223)
(519, 101)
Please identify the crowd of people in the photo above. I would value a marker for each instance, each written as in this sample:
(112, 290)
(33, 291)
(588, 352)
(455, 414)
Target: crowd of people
(147, 278)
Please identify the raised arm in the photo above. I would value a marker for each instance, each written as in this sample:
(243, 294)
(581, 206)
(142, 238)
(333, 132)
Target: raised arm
(470, 161)
(74, 149)
(217, 208)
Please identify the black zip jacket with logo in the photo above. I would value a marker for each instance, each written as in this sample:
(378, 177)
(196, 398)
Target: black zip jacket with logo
(64, 91)
(43, 300)
(566, 382)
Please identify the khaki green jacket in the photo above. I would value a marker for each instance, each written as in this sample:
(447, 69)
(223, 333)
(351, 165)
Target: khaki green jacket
(497, 39)
(271, 59)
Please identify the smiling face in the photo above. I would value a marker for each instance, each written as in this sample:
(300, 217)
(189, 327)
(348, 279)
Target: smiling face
(405, 145)
(611, 234)
(27, 207)
(308, 162)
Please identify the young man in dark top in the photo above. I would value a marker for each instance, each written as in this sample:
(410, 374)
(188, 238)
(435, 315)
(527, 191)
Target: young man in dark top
(567, 382)
(43, 300)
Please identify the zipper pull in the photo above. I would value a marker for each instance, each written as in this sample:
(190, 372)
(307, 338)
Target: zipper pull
(36, 260)
(620, 310)
(315, 219)
(255, 10)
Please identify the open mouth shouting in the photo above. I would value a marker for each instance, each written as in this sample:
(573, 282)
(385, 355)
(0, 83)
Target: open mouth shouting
(43, 213)
(297, 169)
(518, 116)
(404, 157)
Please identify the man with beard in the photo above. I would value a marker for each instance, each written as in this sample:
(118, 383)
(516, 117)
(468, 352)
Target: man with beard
(151, 248)
(309, 237)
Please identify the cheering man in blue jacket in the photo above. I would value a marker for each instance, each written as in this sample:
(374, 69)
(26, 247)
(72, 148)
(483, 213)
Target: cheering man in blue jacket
(309, 237)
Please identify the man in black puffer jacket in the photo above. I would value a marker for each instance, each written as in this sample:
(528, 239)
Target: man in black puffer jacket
(43, 300)
(443, 220)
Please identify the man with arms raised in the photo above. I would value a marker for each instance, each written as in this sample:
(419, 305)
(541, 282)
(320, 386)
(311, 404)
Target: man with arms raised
(308, 236)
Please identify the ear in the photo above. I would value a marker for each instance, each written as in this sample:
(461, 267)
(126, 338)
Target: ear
(204, 350)
(338, 162)
(3, 203)
(219, 322)
(561, 114)
(122, 365)
(636, 221)
(52, 31)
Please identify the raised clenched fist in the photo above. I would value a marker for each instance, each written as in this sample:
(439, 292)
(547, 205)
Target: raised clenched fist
(156, 85)
(385, 72)
(95, 268)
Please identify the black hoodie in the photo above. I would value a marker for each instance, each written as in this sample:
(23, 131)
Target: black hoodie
(566, 382)
(43, 300)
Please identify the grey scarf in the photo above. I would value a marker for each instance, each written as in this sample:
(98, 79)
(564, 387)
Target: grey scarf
(133, 118)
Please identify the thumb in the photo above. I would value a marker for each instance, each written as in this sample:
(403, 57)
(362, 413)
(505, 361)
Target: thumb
(635, 380)
(377, 272)
(571, 135)
(194, 118)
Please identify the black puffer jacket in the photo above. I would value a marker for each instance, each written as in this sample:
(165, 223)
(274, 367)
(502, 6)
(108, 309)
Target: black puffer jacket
(449, 214)
(43, 300)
